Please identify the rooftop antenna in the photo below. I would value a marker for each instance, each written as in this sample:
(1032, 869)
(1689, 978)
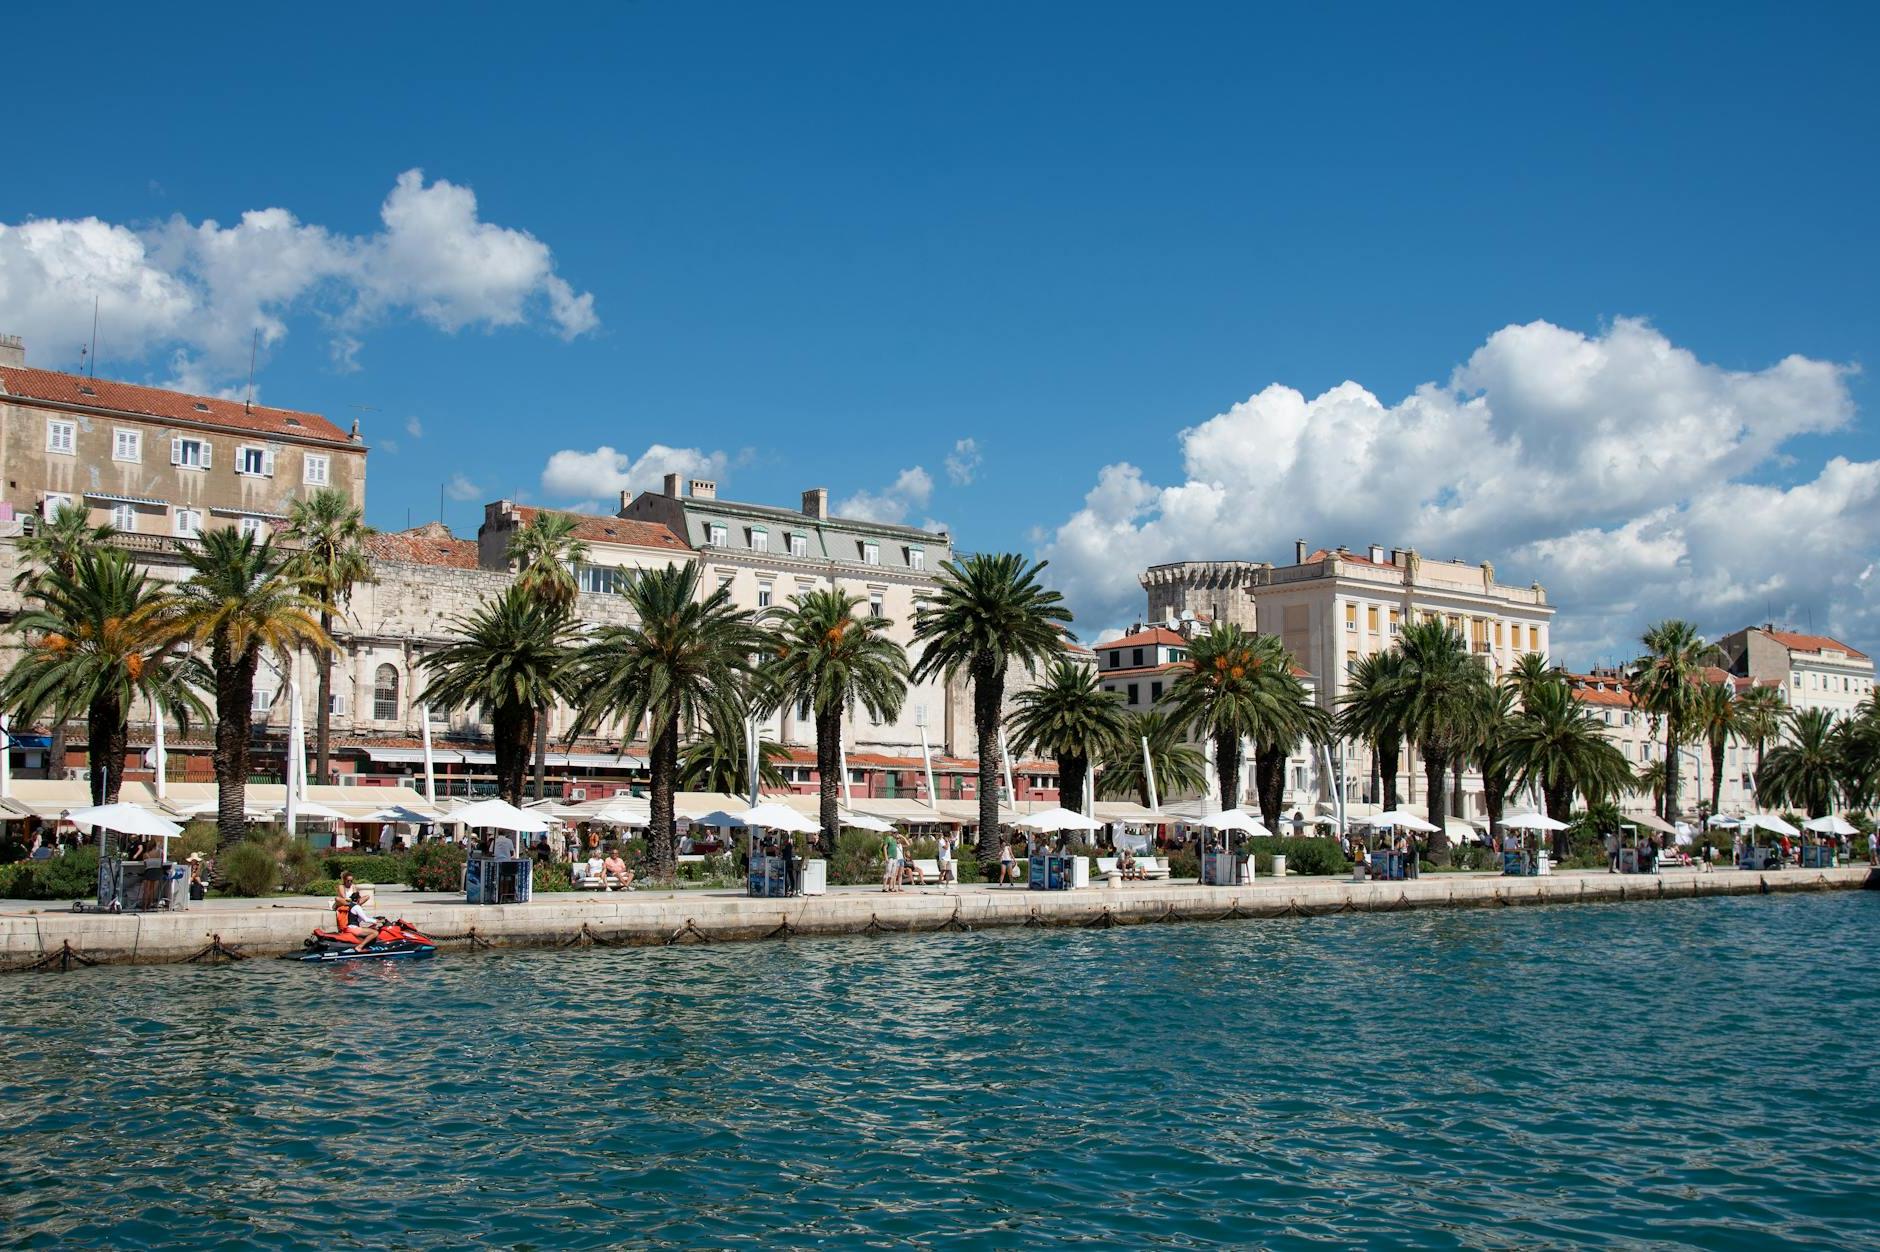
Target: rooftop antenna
(254, 345)
(91, 356)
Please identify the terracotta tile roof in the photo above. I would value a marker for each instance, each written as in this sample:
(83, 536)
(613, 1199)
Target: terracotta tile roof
(806, 755)
(1153, 635)
(593, 528)
(1812, 643)
(430, 544)
(155, 402)
(1602, 690)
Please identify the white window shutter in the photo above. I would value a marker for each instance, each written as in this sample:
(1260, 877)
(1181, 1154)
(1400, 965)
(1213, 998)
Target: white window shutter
(176, 450)
(267, 462)
(206, 450)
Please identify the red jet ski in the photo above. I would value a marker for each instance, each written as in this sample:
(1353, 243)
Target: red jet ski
(395, 940)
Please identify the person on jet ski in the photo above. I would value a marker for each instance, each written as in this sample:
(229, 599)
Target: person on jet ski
(350, 924)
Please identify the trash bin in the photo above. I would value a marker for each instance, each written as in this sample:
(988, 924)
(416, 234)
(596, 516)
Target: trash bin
(815, 878)
(1279, 865)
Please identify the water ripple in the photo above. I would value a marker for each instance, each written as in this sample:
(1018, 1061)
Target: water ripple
(1673, 1075)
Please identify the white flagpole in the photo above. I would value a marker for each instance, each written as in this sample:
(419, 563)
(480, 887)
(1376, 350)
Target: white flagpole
(6, 760)
(1148, 773)
(430, 769)
(848, 797)
(163, 757)
(1005, 764)
(926, 757)
(291, 806)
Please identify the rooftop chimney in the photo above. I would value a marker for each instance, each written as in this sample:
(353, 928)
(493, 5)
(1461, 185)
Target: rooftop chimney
(1299, 552)
(816, 503)
(13, 351)
(1377, 554)
(704, 489)
(626, 498)
(671, 487)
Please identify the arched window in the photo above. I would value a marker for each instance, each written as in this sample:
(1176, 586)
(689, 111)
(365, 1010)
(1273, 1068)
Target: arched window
(385, 694)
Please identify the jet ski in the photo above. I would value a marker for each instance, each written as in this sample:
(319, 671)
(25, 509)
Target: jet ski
(399, 939)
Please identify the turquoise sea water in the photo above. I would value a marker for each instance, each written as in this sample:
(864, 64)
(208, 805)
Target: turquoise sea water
(1693, 1074)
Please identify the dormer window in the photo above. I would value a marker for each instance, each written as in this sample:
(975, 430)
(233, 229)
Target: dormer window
(799, 546)
(760, 539)
(917, 558)
(716, 535)
(201, 407)
(871, 554)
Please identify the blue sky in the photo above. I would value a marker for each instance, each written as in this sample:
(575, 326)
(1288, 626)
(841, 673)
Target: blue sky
(825, 243)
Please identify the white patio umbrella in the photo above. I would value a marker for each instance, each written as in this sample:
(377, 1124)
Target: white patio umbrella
(1236, 819)
(1770, 822)
(772, 816)
(125, 819)
(718, 817)
(398, 813)
(210, 807)
(1533, 821)
(500, 814)
(1722, 819)
(1057, 819)
(1830, 825)
(621, 815)
(864, 821)
(1400, 817)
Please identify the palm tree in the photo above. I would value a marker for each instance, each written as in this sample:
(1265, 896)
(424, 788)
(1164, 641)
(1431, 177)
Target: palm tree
(1240, 685)
(1440, 690)
(546, 553)
(93, 646)
(719, 760)
(1297, 718)
(685, 664)
(1560, 747)
(53, 547)
(1072, 719)
(1649, 779)
(1804, 770)
(1714, 718)
(827, 658)
(508, 660)
(1860, 756)
(331, 534)
(1176, 766)
(988, 612)
(1489, 750)
(239, 603)
(1528, 673)
(1759, 713)
(1373, 715)
(1665, 682)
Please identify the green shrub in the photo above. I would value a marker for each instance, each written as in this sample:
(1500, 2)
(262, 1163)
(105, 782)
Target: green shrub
(250, 869)
(197, 837)
(1185, 863)
(321, 887)
(858, 858)
(372, 867)
(435, 865)
(300, 867)
(71, 876)
(550, 876)
(632, 851)
(717, 867)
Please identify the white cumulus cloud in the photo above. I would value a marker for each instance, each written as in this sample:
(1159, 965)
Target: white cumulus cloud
(458, 487)
(1619, 470)
(195, 292)
(605, 472)
(911, 489)
(963, 462)
(414, 428)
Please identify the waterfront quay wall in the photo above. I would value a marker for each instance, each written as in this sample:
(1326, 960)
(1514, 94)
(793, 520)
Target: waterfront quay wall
(51, 939)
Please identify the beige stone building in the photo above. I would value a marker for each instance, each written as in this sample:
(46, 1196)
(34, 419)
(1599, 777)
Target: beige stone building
(1331, 607)
(160, 463)
(1813, 671)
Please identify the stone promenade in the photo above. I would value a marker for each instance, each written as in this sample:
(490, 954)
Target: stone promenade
(40, 935)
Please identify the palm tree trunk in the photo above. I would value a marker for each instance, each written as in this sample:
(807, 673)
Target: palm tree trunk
(1716, 776)
(107, 735)
(828, 777)
(1071, 772)
(323, 713)
(234, 705)
(1558, 799)
(541, 754)
(1269, 783)
(1455, 791)
(1227, 768)
(662, 845)
(1670, 813)
(988, 696)
(1389, 748)
(1435, 774)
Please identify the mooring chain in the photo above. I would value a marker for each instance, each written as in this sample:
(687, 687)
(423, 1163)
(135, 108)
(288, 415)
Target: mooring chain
(218, 951)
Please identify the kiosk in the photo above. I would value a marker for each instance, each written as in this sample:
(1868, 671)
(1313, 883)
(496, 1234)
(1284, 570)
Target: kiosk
(1222, 864)
(498, 880)
(121, 882)
(1057, 871)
